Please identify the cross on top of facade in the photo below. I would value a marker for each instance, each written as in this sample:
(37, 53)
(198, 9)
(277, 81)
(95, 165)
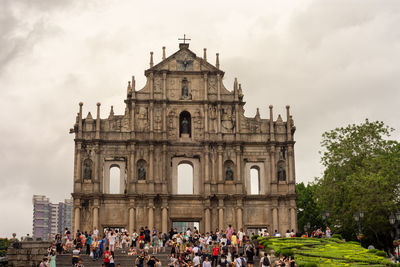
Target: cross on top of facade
(184, 39)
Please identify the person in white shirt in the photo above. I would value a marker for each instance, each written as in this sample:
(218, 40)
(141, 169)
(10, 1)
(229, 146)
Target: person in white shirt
(196, 260)
(96, 232)
(240, 236)
(288, 233)
(111, 241)
(277, 234)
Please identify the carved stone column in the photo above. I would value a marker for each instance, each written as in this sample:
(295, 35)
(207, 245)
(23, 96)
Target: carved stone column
(221, 214)
(207, 220)
(132, 169)
(239, 214)
(151, 214)
(77, 217)
(151, 168)
(275, 219)
(293, 217)
(131, 219)
(164, 216)
(207, 188)
(95, 217)
(97, 169)
(220, 167)
(164, 169)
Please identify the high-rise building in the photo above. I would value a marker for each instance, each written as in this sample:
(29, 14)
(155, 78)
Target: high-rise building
(41, 216)
(64, 215)
(50, 219)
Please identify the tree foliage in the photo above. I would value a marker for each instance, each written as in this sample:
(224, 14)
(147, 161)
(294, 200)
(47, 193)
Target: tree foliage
(307, 208)
(362, 171)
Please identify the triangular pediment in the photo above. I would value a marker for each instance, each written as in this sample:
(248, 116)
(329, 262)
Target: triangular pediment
(183, 60)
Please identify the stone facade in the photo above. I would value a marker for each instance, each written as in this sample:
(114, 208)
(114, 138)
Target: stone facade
(184, 114)
(27, 253)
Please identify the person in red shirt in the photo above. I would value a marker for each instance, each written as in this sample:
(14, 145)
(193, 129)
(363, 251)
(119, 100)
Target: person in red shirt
(107, 256)
(215, 253)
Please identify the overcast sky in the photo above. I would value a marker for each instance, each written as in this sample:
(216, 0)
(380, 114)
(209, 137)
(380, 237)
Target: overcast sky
(333, 62)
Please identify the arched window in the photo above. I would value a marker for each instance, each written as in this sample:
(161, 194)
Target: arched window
(185, 124)
(185, 179)
(115, 179)
(254, 181)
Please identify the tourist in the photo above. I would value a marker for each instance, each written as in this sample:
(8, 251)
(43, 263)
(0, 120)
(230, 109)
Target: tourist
(106, 256)
(249, 255)
(277, 234)
(287, 233)
(206, 263)
(265, 261)
(111, 241)
(140, 260)
(76, 255)
(229, 232)
(134, 238)
(239, 261)
(196, 260)
(59, 244)
(215, 254)
(223, 262)
(328, 232)
(155, 243)
(240, 235)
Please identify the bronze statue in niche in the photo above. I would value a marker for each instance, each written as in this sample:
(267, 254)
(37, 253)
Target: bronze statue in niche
(141, 173)
(87, 172)
(229, 174)
(281, 174)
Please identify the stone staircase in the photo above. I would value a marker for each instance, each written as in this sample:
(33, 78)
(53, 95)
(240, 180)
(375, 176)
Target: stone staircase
(125, 260)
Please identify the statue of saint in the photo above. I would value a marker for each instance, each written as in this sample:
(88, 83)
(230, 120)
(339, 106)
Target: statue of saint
(141, 173)
(87, 173)
(185, 91)
(185, 126)
(229, 174)
(281, 174)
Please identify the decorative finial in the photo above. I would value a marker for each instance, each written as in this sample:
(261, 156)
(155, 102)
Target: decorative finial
(81, 104)
(258, 113)
(133, 83)
(112, 111)
(217, 61)
(205, 54)
(235, 84)
(163, 53)
(151, 60)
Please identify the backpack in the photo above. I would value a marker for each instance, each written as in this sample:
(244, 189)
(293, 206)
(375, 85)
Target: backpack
(242, 261)
(266, 261)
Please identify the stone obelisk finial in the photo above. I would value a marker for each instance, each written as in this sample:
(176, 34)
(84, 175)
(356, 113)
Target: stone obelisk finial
(163, 53)
(151, 60)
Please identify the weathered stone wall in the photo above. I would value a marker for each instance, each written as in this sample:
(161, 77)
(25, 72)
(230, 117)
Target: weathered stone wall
(27, 253)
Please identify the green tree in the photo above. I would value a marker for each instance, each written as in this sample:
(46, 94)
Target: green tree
(362, 171)
(307, 209)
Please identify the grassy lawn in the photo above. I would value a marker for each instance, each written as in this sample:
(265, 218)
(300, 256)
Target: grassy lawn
(325, 251)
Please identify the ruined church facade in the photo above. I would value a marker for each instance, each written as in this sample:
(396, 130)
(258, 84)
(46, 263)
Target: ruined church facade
(243, 169)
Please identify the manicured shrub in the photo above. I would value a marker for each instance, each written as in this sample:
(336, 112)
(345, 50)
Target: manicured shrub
(338, 236)
(380, 253)
(308, 264)
(284, 252)
(255, 236)
(373, 250)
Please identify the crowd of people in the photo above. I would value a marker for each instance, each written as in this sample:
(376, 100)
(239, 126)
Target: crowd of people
(221, 248)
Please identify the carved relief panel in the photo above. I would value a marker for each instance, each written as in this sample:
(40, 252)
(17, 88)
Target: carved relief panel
(142, 119)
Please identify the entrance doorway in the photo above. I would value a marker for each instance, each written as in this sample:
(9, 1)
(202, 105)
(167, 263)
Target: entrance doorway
(117, 229)
(256, 230)
(181, 227)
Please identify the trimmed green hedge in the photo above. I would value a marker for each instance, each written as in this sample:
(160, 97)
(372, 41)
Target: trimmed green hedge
(324, 251)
